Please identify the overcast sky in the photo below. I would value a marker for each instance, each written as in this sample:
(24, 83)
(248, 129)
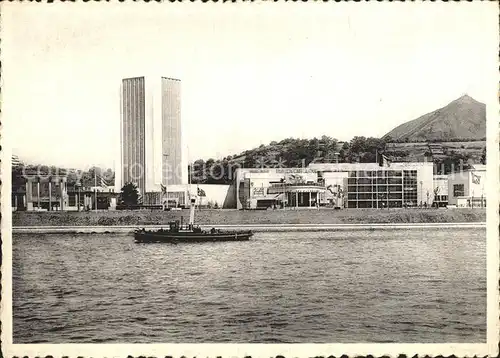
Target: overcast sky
(250, 73)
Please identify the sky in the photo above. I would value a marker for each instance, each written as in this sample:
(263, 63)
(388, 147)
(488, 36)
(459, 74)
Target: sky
(251, 73)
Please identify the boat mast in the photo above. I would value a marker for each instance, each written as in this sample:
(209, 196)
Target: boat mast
(192, 199)
(191, 211)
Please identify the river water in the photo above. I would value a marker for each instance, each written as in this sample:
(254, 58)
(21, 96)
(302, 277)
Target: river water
(361, 286)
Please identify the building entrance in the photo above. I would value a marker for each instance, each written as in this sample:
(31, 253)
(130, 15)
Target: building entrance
(302, 199)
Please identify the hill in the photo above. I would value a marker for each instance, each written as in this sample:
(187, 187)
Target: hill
(449, 136)
(439, 152)
(463, 119)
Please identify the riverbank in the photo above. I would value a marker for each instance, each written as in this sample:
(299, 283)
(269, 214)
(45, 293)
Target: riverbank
(255, 228)
(238, 217)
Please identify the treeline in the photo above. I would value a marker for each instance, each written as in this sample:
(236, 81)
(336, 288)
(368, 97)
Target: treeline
(288, 153)
(86, 178)
(297, 153)
(389, 139)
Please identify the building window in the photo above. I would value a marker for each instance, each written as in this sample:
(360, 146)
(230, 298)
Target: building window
(410, 173)
(395, 181)
(443, 198)
(365, 204)
(382, 188)
(458, 190)
(365, 189)
(398, 196)
(72, 200)
(351, 189)
(364, 181)
(394, 188)
(394, 173)
(365, 196)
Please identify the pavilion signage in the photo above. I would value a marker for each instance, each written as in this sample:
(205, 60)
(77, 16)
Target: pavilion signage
(259, 191)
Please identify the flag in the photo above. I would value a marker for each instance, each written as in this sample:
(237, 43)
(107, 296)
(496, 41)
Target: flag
(16, 162)
(102, 182)
(476, 179)
(163, 188)
(383, 161)
(201, 192)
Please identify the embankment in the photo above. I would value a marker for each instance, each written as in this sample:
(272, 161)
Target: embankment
(234, 217)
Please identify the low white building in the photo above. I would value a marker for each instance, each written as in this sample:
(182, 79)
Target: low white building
(468, 188)
(278, 187)
(213, 195)
(349, 185)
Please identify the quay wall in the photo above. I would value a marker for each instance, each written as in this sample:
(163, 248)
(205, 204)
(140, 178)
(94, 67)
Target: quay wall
(238, 217)
(255, 228)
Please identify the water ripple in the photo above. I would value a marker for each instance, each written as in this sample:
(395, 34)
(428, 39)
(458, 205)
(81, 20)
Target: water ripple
(372, 286)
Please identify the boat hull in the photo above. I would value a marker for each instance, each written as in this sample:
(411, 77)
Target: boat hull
(170, 237)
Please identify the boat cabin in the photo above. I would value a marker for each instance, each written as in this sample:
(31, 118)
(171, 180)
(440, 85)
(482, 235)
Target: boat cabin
(176, 226)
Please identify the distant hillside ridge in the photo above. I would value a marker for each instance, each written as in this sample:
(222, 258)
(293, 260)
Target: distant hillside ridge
(463, 119)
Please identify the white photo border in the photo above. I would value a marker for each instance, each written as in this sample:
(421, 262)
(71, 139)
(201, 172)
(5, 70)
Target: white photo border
(490, 348)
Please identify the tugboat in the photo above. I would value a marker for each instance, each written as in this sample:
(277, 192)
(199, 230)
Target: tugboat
(189, 233)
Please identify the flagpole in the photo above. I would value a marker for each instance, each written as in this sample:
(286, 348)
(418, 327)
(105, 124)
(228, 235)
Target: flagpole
(190, 176)
(198, 194)
(285, 195)
(95, 189)
(166, 179)
(190, 173)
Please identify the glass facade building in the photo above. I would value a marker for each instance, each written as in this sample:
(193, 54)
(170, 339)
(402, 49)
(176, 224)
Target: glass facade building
(342, 185)
(382, 189)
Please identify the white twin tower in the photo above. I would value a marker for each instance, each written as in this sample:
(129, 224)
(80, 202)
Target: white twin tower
(150, 134)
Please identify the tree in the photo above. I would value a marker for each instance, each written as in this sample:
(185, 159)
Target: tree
(483, 156)
(452, 162)
(129, 195)
(364, 150)
(368, 157)
(197, 171)
(18, 179)
(388, 139)
(357, 145)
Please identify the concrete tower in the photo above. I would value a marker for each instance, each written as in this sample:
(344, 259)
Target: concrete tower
(150, 134)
